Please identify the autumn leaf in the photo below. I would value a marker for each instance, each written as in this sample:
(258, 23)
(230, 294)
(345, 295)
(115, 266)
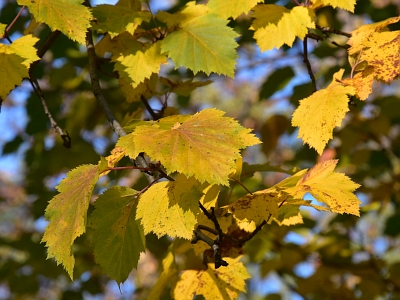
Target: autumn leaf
(218, 284)
(67, 214)
(15, 60)
(362, 82)
(116, 19)
(382, 53)
(200, 49)
(288, 215)
(231, 8)
(257, 207)
(345, 4)
(360, 35)
(276, 26)
(2, 28)
(333, 189)
(169, 273)
(320, 113)
(205, 145)
(171, 207)
(118, 238)
(68, 16)
(189, 12)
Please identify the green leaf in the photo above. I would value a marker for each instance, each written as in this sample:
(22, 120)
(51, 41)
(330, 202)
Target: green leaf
(116, 19)
(68, 16)
(200, 48)
(205, 145)
(67, 214)
(171, 207)
(118, 237)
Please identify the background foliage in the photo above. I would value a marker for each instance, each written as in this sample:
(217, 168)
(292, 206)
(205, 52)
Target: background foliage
(329, 256)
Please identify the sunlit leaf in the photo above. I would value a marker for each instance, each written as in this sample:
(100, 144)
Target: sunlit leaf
(231, 8)
(280, 26)
(70, 17)
(320, 113)
(219, 284)
(67, 214)
(345, 4)
(362, 82)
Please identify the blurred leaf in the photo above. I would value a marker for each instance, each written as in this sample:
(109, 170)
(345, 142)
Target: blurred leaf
(276, 82)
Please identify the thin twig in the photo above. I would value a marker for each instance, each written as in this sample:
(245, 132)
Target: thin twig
(5, 35)
(148, 107)
(242, 185)
(333, 30)
(65, 137)
(213, 231)
(307, 62)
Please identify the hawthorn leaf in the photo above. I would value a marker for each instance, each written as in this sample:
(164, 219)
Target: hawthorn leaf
(2, 28)
(331, 188)
(110, 161)
(237, 172)
(360, 35)
(25, 47)
(344, 4)
(200, 49)
(15, 60)
(382, 53)
(362, 82)
(265, 14)
(205, 145)
(118, 238)
(257, 207)
(143, 64)
(217, 284)
(116, 19)
(171, 207)
(67, 214)
(292, 23)
(288, 215)
(231, 8)
(320, 113)
(70, 17)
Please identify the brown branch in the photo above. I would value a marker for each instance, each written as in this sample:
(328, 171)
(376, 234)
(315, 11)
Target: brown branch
(307, 62)
(149, 108)
(242, 185)
(333, 30)
(5, 35)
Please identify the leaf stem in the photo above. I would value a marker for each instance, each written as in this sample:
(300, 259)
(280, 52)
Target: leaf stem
(243, 186)
(307, 62)
(5, 35)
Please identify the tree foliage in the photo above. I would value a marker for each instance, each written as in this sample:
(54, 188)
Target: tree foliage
(134, 116)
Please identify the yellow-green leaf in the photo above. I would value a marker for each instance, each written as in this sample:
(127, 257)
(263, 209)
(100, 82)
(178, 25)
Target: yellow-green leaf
(205, 145)
(2, 28)
(171, 207)
(67, 214)
(200, 49)
(118, 239)
(70, 17)
(189, 12)
(282, 26)
(116, 19)
(224, 283)
(169, 273)
(143, 64)
(320, 113)
(345, 4)
(333, 189)
(231, 8)
(259, 206)
(25, 47)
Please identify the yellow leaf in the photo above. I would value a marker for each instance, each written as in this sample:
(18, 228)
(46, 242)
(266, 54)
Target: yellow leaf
(200, 49)
(292, 23)
(362, 82)
(361, 34)
(171, 207)
(320, 113)
(116, 155)
(143, 64)
(116, 19)
(205, 145)
(345, 4)
(2, 28)
(333, 189)
(257, 207)
(225, 283)
(67, 214)
(189, 12)
(289, 215)
(237, 172)
(382, 53)
(25, 47)
(69, 16)
(231, 8)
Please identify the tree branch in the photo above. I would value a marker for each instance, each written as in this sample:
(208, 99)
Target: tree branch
(307, 62)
